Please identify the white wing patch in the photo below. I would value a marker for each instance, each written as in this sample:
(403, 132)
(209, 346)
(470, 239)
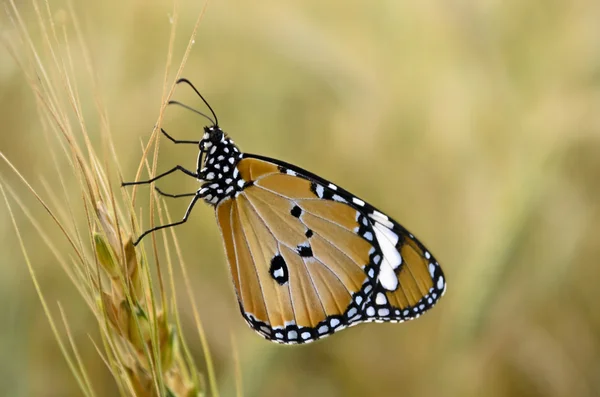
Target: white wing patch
(381, 218)
(392, 259)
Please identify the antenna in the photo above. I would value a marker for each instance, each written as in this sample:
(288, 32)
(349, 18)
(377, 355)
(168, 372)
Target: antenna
(186, 81)
(192, 109)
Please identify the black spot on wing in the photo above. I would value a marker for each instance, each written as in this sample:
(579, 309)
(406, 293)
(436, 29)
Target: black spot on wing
(304, 250)
(309, 233)
(296, 211)
(279, 270)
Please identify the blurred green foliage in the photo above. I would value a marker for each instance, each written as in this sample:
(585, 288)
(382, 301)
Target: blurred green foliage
(477, 126)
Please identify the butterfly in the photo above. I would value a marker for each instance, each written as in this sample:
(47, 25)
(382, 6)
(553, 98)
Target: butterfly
(307, 258)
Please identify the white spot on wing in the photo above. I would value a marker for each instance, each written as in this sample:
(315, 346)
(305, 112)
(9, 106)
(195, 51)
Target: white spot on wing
(380, 299)
(339, 198)
(265, 330)
(319, 190)
(305, 244)
(381, 218)
(358, 201)
(440, 283)
(332, 186)
(290, 172)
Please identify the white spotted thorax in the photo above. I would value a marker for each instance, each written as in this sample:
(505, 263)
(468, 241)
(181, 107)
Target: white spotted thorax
(218, 171)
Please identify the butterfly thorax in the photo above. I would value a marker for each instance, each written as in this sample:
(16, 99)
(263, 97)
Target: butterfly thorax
(218, 171)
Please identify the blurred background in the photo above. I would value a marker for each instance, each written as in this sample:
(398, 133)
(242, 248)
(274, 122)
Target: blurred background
(476, 126)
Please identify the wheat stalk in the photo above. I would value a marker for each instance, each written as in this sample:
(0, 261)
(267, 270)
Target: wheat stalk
(141, 338)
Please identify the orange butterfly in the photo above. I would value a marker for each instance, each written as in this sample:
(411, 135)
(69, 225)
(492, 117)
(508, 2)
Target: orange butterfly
(307, 257)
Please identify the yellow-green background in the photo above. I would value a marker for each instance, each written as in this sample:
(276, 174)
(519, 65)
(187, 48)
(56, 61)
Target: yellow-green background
(474, 124)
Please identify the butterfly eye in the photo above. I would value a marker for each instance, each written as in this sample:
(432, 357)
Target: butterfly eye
(216, 135)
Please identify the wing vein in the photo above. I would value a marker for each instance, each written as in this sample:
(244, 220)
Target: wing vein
(312, 213)
(303, 261)
(254, 267)
(319, 234)
(329, 289)
(237, 262)
(312, 282)
(267, 226)
(279, 243)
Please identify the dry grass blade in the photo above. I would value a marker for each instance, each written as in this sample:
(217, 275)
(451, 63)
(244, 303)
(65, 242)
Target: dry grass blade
(77, 372)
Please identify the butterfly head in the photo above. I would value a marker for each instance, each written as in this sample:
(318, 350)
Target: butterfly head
(213, 135)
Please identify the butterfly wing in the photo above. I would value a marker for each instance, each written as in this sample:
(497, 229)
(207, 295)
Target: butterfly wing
(308, 258)
(300, 269)
(410, 280)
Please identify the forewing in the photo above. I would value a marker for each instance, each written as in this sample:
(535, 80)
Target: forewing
(409, 280)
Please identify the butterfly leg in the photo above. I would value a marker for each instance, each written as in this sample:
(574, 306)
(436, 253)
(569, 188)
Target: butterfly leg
(175, 195)
(177, 140)
(184, 220)
(177, 168)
